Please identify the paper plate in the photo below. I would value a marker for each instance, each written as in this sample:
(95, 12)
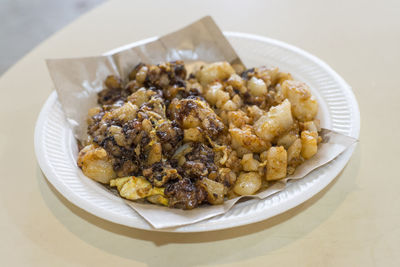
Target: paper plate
(56, 148)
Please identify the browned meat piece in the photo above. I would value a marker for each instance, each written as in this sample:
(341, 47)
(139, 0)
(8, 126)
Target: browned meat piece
(170, 136)
(194, 112)
(160, 173)
(199, 163)
(184, 194)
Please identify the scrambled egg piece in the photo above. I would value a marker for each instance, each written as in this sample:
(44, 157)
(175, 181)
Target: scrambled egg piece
(134, 188)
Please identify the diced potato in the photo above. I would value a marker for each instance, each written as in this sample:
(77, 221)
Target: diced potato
(309, 144)
(257, 87)
(125, 113)
(215, 71)
(245, 140)
(229, 105)
(141, 74)
(95, 164)
(237, 118)
(216, 95)
(222, 98)
(139, 97)
(304, 104)
(255, 112)
(247, 183)
(287, 139)
(310, 126)
(192, 135)
(113, 82)
(211, 92)
(235, 81)
(276, 163)
(249, 163)
(264, 156)
(237, 100)
(118, 135)
(155, 154)
(191, 121)
(215, 191)
(294, 150)
(276, 121)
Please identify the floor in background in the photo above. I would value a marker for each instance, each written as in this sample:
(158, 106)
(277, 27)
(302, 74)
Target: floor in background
(26, 23)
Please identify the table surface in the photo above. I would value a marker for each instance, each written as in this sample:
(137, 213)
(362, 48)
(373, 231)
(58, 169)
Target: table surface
(355, 221)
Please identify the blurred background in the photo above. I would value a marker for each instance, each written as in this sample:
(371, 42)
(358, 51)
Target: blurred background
(26, 23)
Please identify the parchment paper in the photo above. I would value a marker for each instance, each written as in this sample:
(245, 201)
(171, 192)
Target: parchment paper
(78, 80)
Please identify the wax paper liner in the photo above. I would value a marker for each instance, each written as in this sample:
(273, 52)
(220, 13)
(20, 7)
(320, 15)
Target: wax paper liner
(78, 80)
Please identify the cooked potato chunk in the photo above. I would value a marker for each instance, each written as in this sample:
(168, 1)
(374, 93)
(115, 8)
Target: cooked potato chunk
(155, 154)
(309, 145)
(287, 139)
(294, 150)
(304, 104)
(256, 87)
(235, 81)
(311, 126)
(95, 164)
(247, 183)
(215, 71)
(244, 140)
(276, 163)
(276, 121)
(215, 191)
(113, 82)
(192, 135)
(237, 118)
(139, 97)
(125, 113)
(249, 163)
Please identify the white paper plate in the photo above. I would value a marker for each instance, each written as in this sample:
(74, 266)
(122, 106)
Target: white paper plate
(56, 149)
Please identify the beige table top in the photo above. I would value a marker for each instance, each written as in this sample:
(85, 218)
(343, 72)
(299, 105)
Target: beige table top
(355, 221)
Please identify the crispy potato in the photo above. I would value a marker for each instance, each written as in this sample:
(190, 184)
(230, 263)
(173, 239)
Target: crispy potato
(304, 104)
(249, 163)
(247, 183)
(294, 150)
(125, 113)
(276, 121)
(276, 163)
(244, 140)
(96, 164)
(215, 191)
(257, 87)
(215, 71)
(155, 154)
(309, 145)
(113, 82)
(192, 135)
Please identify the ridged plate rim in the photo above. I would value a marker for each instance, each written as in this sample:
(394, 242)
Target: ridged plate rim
(54, 141)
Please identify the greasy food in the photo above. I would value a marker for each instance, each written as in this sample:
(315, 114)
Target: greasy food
(182, 140)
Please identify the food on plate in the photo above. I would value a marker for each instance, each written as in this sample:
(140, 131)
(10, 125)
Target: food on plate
(182, 140)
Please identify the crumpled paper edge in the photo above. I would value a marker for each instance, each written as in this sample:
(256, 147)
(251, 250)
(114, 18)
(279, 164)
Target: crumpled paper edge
(333, 144)
(77, 82)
